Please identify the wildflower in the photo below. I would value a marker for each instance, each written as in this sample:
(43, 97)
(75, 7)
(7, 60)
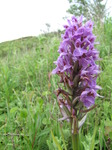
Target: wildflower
(78, 71)
(77, 58)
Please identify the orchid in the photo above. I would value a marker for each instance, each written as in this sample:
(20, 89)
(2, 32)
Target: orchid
(78, 71)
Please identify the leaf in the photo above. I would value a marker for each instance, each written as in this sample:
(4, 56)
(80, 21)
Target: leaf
(50, 145)
(101, 134)
(44, 132)
(63, 138)
(92, 145)
(64, 118)
(45, 93)
(46, 121)
(23, 113)
(1, 128)
(56, 142)
(65, 112)
(13, 110)
(110, 135)
(108, 129)
(108, 122)
(82, 121)
(31, 94)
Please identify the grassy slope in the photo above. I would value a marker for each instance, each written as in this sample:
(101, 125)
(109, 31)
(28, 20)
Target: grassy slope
(28, 108)
(24, 86)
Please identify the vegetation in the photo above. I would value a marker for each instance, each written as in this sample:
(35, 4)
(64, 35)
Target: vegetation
(90, 9)
(28, 107)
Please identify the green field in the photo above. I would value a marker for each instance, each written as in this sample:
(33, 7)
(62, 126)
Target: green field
(28, 106)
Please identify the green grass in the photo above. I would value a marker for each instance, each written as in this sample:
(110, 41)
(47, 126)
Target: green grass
(28, 107)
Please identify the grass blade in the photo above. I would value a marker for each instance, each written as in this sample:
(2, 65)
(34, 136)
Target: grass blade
(62, 135)
(56, 142)
(92, 145)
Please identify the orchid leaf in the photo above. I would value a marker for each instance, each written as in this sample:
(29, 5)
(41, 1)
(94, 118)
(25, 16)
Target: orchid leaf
(82, 121)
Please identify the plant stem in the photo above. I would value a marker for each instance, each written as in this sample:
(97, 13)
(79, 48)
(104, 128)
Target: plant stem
(75, 134)
(75, 141)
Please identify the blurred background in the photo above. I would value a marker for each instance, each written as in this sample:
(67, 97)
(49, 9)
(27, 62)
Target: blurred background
(23, 18)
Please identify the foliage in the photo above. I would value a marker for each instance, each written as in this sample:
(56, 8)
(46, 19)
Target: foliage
(28, 107)
(90, 9)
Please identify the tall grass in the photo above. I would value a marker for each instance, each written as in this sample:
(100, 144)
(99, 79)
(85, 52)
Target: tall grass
(28, 107)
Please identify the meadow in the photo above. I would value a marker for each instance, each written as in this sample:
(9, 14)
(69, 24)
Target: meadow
(29, 111)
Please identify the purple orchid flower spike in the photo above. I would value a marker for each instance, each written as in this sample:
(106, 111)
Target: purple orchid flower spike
(78, 71)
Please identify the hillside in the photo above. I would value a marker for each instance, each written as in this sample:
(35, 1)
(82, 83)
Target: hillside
(28, 105)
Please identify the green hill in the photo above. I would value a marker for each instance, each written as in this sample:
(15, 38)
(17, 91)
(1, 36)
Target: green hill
(28, 106)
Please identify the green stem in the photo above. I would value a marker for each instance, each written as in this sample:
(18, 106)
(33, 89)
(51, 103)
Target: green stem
(75, 134)
(75, 141)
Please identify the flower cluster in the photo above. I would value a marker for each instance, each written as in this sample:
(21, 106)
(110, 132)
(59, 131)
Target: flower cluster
(76, 63)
